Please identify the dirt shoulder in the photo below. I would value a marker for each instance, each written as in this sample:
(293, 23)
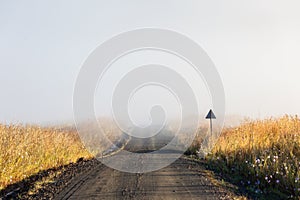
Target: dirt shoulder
(47, 183)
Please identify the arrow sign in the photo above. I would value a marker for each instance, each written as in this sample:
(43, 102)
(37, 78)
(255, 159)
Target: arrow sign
(210, 116)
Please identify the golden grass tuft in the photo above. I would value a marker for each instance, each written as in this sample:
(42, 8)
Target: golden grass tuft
(26, 150)
(264, 153)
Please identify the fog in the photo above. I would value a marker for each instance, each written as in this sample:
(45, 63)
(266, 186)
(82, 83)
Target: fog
(254, 46)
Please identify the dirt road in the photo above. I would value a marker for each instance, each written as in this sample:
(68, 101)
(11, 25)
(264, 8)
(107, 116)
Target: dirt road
(182, 179)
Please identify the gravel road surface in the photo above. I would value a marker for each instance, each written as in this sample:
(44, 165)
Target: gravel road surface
(184, 178)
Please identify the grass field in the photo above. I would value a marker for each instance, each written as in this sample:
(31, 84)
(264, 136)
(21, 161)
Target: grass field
(26, 150)
(262, 156)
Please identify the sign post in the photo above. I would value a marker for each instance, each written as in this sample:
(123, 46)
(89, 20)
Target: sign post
(210, 116)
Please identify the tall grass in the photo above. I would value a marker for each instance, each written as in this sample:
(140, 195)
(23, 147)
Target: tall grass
(263, 155)
(25, 150)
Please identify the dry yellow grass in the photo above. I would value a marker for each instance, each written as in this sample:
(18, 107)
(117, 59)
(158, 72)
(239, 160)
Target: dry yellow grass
(25, 150)
(264, 154)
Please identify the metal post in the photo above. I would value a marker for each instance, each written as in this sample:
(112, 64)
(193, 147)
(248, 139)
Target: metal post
(211, 128)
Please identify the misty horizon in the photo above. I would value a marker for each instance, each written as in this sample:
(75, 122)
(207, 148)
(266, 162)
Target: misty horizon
(43, 46)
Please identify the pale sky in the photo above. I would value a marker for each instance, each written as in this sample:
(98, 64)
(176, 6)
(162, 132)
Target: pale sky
(255, 46)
